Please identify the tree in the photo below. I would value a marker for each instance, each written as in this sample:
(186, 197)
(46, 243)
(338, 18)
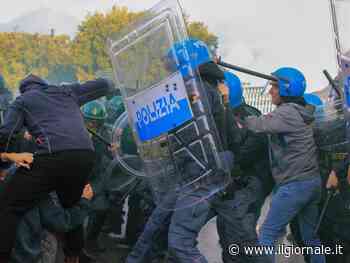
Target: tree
(59, 59)
(89, 46)
(22, 53)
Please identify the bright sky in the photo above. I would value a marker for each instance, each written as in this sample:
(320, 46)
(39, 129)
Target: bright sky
(258, 34)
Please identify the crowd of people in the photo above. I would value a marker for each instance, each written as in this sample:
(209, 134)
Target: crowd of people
(57, 179)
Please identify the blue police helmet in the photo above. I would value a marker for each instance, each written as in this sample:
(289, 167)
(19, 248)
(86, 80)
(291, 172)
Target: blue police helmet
(189, 53)
(313, 99)
(235, 89)
(291, 82)
(320, 108)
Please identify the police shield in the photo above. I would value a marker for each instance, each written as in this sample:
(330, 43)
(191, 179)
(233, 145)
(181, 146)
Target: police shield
(341, 25)
(125, 169)
(167, 106)
(330, 126)
(340, 20)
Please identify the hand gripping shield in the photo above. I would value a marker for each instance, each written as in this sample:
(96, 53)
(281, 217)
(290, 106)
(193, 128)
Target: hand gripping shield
(167, 106)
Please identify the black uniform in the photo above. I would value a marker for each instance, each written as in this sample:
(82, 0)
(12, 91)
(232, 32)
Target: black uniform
(252, 182)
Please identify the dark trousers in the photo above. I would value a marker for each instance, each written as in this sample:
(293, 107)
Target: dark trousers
(65, 172)
(96, 222)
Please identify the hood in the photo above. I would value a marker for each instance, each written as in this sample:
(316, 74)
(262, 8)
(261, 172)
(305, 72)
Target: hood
(306, 112)
(31, 81)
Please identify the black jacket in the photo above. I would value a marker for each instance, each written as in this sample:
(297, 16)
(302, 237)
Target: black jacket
(250, 149)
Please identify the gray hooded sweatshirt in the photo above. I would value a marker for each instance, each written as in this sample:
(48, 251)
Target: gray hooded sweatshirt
(293, 153)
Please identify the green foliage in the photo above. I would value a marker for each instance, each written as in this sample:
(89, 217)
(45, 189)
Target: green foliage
(89, 45)
(22, 53)
(60, 59)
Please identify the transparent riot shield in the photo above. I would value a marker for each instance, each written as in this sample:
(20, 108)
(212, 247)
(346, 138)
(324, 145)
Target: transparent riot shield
(340, 10)
(341, 24)
(125, 169)
(169, 116)
(330, 127)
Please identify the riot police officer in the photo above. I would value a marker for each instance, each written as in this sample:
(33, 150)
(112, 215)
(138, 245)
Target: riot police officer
(95, 115)
(252, 180)
(330, 133)
(114, 108)
(177, 222)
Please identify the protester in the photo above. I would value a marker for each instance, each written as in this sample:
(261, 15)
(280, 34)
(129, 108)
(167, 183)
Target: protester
(293, 157)
(64, 152)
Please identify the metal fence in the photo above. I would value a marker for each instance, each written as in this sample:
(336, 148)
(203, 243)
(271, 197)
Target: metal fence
(254, 96)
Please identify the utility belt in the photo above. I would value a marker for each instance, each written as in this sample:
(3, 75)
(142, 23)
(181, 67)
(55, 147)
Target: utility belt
(333, 156)
(329, 160)
(339, 156)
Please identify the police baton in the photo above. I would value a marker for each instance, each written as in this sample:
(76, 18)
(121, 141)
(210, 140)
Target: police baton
(247, 71)
(330, 194)
(332, 83)
(99, 137)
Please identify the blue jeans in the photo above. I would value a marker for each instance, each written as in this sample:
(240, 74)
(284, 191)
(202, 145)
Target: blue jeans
(154, 235)
(181, 227)
(296, 199)
(236, 219)
(28, 238)
(185, 226)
